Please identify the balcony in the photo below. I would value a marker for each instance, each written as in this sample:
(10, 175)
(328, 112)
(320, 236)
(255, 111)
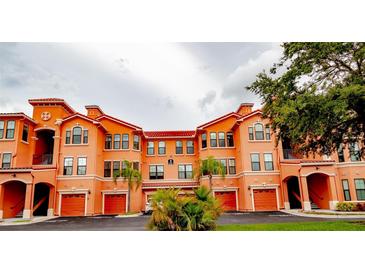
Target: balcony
(42, 159)
(289, 154)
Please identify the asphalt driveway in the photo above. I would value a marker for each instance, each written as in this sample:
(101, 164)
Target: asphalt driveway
(112, 223)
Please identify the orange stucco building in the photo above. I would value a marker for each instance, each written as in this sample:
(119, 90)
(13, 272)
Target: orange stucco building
(61, 162)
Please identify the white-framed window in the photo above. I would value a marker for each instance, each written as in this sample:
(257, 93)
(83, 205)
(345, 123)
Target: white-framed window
(360, 189)
(259, 131)
(150, 148)
(346, 190)
(10, 129)
(68, 166)
(125, 141)
(213, 139)
(136, 142)
(230, 142)
(269, 164)
(189, 147)
(107, 168)
(161, 148)
(255, 162)
(81, 166)
(185, 171)
(2, 125)
(25, 132)
(221, 139)
(156, 172)
(116, 144)
(179, 147)
(76, 135)
(232, 166)
(6, 163)
(204, 140)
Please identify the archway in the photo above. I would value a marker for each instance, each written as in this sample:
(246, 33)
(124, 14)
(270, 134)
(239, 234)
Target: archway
(292, 184)
(13, 199)
(318, 190)
(41, 199)
(44, 147)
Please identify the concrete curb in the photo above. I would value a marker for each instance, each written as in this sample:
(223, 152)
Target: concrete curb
(129, 216)
(325, 216)
(13, 222)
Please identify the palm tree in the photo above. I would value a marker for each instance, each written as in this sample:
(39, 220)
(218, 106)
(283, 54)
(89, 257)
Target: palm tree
(210, 167)
(133, 177)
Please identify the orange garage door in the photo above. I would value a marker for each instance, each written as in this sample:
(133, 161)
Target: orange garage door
(227, 200)
(73, 205)
(115, 203)
(265, 199)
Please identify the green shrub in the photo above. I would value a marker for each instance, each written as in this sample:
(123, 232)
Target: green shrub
(345, 206)
(170, 211)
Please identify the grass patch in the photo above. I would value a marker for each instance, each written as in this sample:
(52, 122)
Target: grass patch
(339, 213)
(299, 226)
(21, 221)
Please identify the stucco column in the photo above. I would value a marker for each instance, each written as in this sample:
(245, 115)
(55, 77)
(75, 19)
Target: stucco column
(333, 192)
(51, 202)
(27, 213)
(304, 194)
(286, 196)
(1, 201)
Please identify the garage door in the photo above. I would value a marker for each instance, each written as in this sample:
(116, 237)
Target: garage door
(265, 199)
(115, 203)
(227, 200)
(73, 205)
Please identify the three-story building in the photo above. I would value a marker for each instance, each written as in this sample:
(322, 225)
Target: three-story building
(61, 162)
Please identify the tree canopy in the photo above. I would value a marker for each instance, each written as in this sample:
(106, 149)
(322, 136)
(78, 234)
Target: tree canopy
(314, 95)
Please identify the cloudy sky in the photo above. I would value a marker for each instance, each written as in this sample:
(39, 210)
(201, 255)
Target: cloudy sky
(156, 86)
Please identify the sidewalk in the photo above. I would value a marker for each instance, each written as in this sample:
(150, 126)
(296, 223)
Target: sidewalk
(20, 221)
(323, 213)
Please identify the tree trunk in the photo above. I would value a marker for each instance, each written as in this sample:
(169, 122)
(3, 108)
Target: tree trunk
(210, 182)
(129, 198)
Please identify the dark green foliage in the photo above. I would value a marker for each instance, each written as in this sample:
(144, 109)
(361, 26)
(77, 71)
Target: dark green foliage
(172, 211)
(315, 95)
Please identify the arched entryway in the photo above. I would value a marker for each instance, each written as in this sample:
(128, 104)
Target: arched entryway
(44, 147)
(292, 184)
(13, 199)
(41, 199)
(318, 190)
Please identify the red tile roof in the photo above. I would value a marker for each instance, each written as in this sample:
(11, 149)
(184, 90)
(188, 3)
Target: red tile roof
(219, 119)
(105, 116)
(170, 134)
(18, 114)
(57, 101)
(172, 184)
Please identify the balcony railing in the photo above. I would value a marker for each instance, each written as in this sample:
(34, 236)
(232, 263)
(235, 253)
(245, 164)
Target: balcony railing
(42, 159)
(289, 154)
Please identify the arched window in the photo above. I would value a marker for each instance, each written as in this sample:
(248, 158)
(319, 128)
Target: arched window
(76, 135)
(259, 131)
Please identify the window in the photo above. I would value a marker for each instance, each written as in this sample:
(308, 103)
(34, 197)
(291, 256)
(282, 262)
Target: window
(76, 135)
(25, 132)
(161, 147)
(346, 190)
(204, 140)
(125, 141)
(185, 171)
(341, 156)
(179, 147)
(230, 142)
(116, 141)
(360, 189)
(250, 133)
(108, 141)
(2, 129)
(267, 132)
(68, 166)
(136, 142)
(136, 165)
(107, 169)
(10, 128)
(116, 168)
(221, 139)
(269, 165)
(255, 162)
(190, 147)
(259, 132)
(156, 172)
(354, 151)
(213, 139)
(150, 148)
(6, 160)
(232, 166)
(68, 137)
(124, 167)
(81, 166)
(224, 164)
(85, 139)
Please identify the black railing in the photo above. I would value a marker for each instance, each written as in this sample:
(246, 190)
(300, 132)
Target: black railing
(42, 159)
(289, 154)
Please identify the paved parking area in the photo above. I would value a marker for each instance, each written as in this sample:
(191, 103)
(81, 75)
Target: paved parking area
(111, 223)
